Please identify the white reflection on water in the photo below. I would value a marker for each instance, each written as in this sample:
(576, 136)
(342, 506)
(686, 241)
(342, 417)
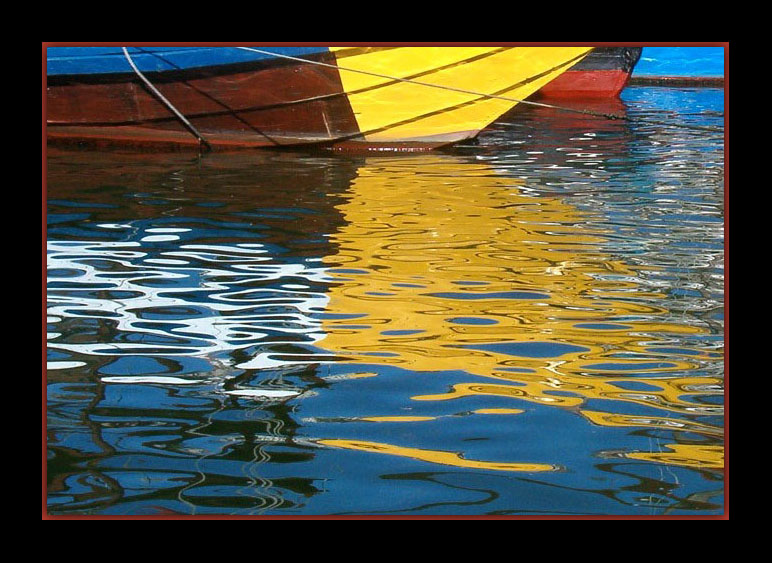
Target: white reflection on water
(187, 305)
(636, 421)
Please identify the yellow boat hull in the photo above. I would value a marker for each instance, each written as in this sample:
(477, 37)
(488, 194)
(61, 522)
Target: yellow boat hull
(405, 98)
(443, 94)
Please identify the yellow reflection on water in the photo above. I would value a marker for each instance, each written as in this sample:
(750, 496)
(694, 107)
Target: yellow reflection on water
(433, 456)
(612, 419)
(448, 265)
(499, 411)
(397, 418)
(537, 388)
(685, 455)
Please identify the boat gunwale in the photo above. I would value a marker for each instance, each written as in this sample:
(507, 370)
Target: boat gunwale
(101, 130)
(179, 74)
(264, 107)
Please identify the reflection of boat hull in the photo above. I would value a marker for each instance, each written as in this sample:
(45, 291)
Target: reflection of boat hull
(602, 74)
(310, 212)
(461, 269)
(342, 97)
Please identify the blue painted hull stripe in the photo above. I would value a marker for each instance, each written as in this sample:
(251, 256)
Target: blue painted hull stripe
(110, 60)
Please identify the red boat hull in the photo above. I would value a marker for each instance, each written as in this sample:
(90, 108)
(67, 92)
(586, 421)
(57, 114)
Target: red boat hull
(586, 84)
(278, 101)
(602, 74)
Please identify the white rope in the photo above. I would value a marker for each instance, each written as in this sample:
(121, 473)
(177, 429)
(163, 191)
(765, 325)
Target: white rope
(168, 104)
(483, 95)
(397, 79)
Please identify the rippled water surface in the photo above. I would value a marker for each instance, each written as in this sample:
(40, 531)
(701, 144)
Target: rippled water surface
(527, 325)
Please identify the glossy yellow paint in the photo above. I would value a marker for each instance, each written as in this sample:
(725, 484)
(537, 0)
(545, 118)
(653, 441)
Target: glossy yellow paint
(394, 111)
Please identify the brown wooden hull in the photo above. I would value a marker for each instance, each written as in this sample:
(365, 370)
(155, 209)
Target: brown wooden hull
(256, 105)
(382, 98)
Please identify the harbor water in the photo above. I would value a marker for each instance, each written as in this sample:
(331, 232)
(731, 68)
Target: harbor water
(530, 324)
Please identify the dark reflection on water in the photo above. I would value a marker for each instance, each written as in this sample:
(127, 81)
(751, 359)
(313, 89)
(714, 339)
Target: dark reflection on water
(530, 324)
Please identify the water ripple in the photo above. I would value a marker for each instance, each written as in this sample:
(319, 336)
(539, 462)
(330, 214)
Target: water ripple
(531, 324)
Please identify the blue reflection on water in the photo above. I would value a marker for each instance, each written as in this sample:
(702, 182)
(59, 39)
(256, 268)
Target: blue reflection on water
(211, 285)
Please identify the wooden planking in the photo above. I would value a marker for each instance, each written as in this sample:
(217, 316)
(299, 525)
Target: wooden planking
(298, 100)
(281, 102)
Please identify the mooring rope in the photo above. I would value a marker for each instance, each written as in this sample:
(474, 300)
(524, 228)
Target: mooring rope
(491, 96)
(167, 103)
